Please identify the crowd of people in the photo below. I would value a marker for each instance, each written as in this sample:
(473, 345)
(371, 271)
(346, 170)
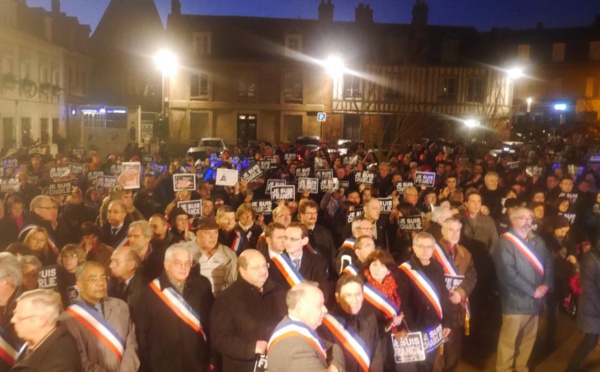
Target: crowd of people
(368, 265)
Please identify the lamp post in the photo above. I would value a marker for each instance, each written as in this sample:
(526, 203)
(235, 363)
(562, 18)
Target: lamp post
(166, 62)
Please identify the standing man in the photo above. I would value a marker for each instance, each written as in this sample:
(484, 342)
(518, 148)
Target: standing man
(295, 345)
(114, 233)
(282, 215)
(372, 209)
(525, 273)
(346, 253)
(173, 324)
(216, 262)
(10, 290)
(246, 313)
(162, 237)
(363, 247)
(275, 239)
(228, 235)
(456, 262)
(44, 213)
(49, 348)
(101, 325)
(139, 236)
(319, 237)
(125, 281)
(149, 200)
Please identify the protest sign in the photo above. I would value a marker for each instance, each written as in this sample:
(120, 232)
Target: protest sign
(47, 277)
(453, 281)
(265, 165)
(130, 175)
(272, 183)
(116, 169)
(409, 348)
(57, 173)
(329, 184)
(226, 177)
(308, 185)
(324, 174)
(424, 179)
(289, 156)
(364, 177)
(283, 193)
(262, 207)
(352, 215)
(148, 159)
(10, 163)
(184, 181)
(402, 185)
(303, 172)
(76, 168)
(513, 165)
(9, 185)
(252, 173)
(191, 207)
(106, 182)
(411, 223)
(59, 188)
(78, 151)
(386, 205)
(344, 184)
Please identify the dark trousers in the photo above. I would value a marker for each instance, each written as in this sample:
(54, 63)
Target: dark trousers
(587, 344)
(452, 348)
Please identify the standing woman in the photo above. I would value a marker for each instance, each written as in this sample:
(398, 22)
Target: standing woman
(588, 317)
(382, 298)
(37, 240)
(69, 259)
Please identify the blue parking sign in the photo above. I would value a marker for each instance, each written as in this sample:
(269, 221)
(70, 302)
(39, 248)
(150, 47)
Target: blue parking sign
(321, 116)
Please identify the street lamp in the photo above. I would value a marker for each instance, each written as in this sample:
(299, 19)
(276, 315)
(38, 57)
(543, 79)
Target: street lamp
(167, 63)
(334, 66)
(471, 123)
(515, 73)
(529, 101)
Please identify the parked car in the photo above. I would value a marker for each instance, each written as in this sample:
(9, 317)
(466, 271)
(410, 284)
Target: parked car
(311, 143)
(214, 144)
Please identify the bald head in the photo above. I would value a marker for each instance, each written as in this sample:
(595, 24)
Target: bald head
(253, 267)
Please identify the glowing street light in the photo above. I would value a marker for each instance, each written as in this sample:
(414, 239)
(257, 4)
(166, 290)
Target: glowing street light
(334, 66)
(471, 123)
(515, 73)
(166, 61)
(529, 101)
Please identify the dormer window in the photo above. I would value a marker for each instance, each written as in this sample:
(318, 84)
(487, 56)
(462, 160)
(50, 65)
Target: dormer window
(201, 44)
(293, 43)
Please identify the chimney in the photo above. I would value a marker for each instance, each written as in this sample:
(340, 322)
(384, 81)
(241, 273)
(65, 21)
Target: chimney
(420, 13)
(55, 6)
(175, 7)
(326, 10)
(363, 14)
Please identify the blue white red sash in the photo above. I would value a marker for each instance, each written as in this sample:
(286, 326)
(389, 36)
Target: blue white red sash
(179, 306)
(350, 270)
(287, 269)
(92, 320)
(51, 243)
(297, 329)
(349, 243)
(8, 351)
(424, 285)
(379, 300)
(237, 243)
(447, 264)
(350, 341)
(526, 251)
(123, 243)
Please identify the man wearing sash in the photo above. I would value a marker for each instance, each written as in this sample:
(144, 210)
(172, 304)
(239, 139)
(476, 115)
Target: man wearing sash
(101, 325)
(10, 290)
(173, 323)
(422, 288)
(461, 278)
(525, 274)
(294, 345)
(228, 235)
(49, 347)
(346, 253)
(281, 215)
(246, 313)
(44, 213)
(114, 233)
(363, 246)
(353, 328)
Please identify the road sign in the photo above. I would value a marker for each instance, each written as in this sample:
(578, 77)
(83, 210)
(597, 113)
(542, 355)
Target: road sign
(321, 116)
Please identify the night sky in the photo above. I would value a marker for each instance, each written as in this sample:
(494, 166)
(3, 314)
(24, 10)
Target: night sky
(483, 14)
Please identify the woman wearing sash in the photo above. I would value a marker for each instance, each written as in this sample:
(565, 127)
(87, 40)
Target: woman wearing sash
(422, 287)
(382, 298)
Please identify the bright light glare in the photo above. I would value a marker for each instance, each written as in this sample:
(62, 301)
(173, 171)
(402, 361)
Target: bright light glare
(560, 107)
(529, 100)
(166, 61)
(471, 123)
(334, 66)
(515, 73)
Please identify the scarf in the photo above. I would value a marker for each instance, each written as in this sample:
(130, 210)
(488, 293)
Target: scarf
(388, 287)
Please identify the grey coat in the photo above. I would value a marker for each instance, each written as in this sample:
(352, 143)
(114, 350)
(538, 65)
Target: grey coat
(517, 278)
(588, 316)
(96, 356)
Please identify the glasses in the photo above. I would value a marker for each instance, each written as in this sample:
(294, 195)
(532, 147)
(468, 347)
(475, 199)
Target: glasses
(182, 264)
(97, 279)
(287, 238)
(421, 246)
(524, 218)
(54, 207)
(18, 319)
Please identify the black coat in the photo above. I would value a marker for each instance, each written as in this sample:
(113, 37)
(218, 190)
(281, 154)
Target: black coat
(58, 353)
(60, 235)
(9, 232)
(313, 267)
(321, 241)
(9, 328)
(107, 237)
(588, 316)
(166, 343)
(152, 265)
(131, 294)
(241, 316)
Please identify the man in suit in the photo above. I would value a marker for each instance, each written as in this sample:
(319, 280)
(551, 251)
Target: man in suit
(125, 282)
(95, 314)
(139, 237)
(372, 210)
(346, 253)
(289, 349)
(320, 239)
(275, 239)
(50, 348)
(246, 313)
(114, 233)
(281, 215)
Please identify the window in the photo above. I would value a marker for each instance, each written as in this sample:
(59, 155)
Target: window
(595, 51)
(199, 86)
(352, 88)
(44, 131)
(558, 52)
(26, 135)
(201, 44)
(293, 43)
(247, 85)
(292, 87)
(524, 52)
(7, 64)
(475, 90)
(448, 89)
(25, 71)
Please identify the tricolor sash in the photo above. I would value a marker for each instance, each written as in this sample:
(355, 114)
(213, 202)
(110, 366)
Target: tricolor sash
(350, 341)
(94, 322)
(179, 306)
(8, 351)
(287, 269)
(447, 264)
(237, 242)
(349, 243)
(51, 243)
(526, 251)
(297, 329)
(424, 285)
(350, 270)
(379, 300)
(124, 242)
